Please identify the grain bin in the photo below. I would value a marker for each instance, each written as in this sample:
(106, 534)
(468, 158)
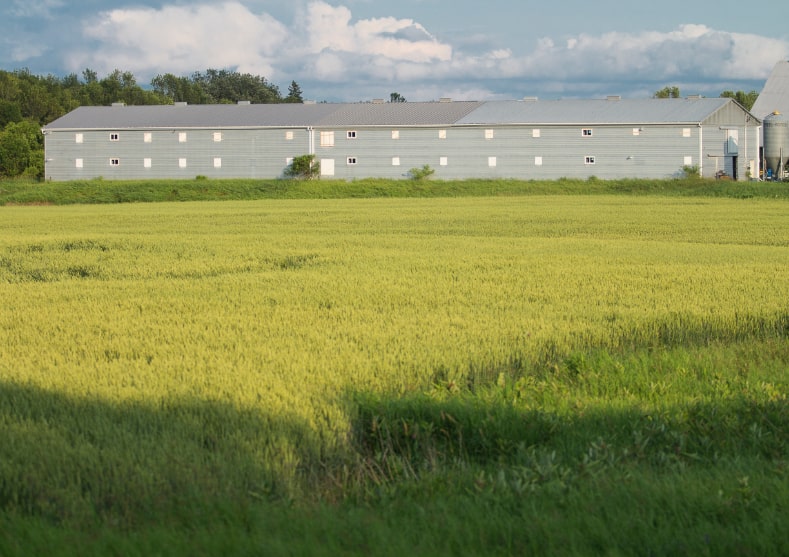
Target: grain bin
(776, 143)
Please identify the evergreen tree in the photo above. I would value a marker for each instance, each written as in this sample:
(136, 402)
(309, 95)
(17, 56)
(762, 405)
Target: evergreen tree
(294, 93)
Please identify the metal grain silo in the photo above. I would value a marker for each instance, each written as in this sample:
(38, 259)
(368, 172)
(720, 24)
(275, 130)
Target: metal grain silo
(776, 143)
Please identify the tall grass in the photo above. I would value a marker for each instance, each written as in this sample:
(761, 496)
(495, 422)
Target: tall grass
(564, 375)
(111, 191)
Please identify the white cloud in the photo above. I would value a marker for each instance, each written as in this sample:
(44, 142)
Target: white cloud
(689, 53)
(180, 39)
(342, 58)
(330, 28)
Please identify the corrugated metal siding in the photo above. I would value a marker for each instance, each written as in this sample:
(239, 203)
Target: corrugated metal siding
(657, 152)
(243, 154)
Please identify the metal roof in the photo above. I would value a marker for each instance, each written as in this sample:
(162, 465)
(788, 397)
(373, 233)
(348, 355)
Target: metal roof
(399, 114)
(219, 116)
(263, 115)
(775, 95)
(605, 111)
(193, 116)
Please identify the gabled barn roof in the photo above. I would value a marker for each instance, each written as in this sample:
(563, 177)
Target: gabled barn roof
(597, 112)
(263, 115)
(775, 95)
(192, 116)
(323, 115)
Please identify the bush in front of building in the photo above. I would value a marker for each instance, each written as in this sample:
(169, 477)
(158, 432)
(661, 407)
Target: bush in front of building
(421, 173)
(304, 167)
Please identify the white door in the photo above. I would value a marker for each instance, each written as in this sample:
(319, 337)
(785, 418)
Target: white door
(327, 167)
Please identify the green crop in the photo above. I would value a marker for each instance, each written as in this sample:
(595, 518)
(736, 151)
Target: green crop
(157, 358)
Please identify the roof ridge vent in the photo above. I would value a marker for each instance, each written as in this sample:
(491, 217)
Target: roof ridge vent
(244, 103)
(530, 99)
(180, 103)
(378, 101)
(119, 105)
(614, 98)
(445, 100)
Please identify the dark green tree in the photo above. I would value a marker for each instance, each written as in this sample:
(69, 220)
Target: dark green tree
(89, 76)
(180, 89)
(294, 93)
(9, 112)
(396, 98)
(21, 150)
(667, 93)
(224, 86)
(745, 99)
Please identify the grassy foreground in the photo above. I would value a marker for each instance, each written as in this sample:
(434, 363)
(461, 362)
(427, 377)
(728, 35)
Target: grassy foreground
(547, 375)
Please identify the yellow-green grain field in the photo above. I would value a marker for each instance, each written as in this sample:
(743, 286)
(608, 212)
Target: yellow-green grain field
(161, 353)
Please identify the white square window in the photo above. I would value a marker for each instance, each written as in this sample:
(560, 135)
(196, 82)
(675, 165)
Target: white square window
(147, 137)
(442, 134)
(327, 139)
(115, 137)
(146, 163)
(688, 161)
(488, 134)
(491, 161)
(351, 161)
(351, 134)
(217, 137)
(217, 162)
(289, 135)
(79, 138)
(181, 137)
(537, 161)
(395, 134)
(443, 161)
(181, 163)
(395, 161)
(115, 162)
(685, 132)
(588, 159)
(78, 163)
(636, 131)
(586, 132)
(535, 133)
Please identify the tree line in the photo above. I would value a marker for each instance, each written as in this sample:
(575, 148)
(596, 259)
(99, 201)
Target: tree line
(745, 99)
(29, 101)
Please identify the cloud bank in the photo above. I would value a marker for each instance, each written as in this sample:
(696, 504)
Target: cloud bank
(336, 57)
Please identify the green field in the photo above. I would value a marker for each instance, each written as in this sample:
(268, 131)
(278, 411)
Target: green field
(504, 375)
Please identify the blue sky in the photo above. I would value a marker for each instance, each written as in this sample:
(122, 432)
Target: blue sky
(355, 50)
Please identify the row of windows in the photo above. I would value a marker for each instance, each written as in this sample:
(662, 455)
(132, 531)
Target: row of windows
(327, 137)
(352, 161)
(147, 162)
(493, 161)
(147, 137)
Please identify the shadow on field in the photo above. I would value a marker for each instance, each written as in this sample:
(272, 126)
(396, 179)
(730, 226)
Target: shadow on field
(74, 460)
(86, 462)
(406, 437)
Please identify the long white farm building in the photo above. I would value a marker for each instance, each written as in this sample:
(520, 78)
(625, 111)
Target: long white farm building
(526, 139)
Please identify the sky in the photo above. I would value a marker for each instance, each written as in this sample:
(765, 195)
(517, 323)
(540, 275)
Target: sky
(359, 50)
